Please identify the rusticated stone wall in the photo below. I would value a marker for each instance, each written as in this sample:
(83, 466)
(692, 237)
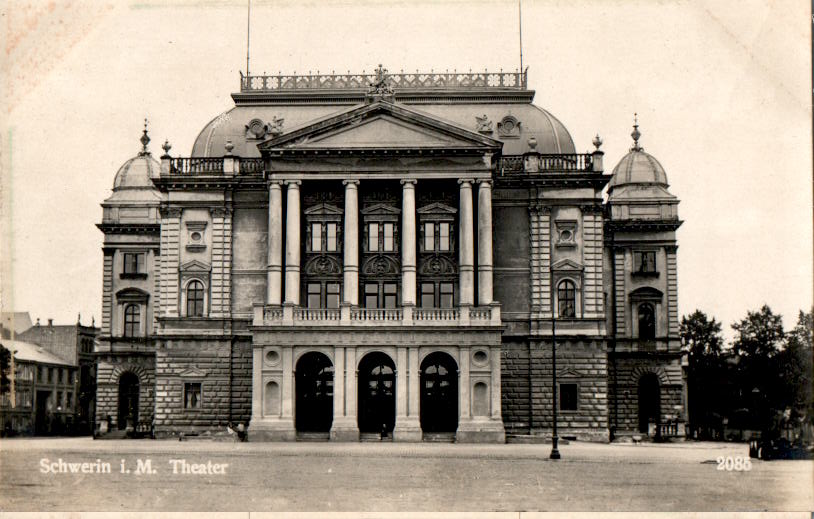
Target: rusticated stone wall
(629, 370)
(108, 372)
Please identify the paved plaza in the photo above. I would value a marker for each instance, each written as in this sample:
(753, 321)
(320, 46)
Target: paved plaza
(216, 476)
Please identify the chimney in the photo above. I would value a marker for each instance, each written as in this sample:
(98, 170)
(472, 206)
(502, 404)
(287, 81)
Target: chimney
(50, 323)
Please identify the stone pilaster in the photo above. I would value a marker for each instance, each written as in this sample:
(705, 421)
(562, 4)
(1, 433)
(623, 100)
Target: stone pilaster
(592, 259)
(274, 268)
(220, 289)
(292, 243)
(107, 289)
(408, 242)
(408, 426)
(485, 242)
(466, 239)
(170, 229)
(540, 246)
(672, 291)
(344, 426)
(619, 296)
(351, 243)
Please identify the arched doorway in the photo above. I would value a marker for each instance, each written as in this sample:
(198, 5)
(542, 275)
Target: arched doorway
(377, 393)
(439, 393)
(649, 401)
(315, 393)
(128, 400)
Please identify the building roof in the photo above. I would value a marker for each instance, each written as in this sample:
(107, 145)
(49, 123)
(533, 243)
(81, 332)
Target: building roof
(497, 105)
(60, 340)
(16, 321)
(32, 353)
(639, 169)
(137, 172)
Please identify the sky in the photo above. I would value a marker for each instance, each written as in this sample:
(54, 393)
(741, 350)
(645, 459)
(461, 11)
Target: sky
(722, 91)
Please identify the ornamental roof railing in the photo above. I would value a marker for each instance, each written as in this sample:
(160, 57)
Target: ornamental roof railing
(401, 81)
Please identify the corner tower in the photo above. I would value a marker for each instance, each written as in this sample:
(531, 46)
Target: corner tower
(644, 347)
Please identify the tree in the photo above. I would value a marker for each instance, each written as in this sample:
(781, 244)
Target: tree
(707, 378)
(5, 369)
(760, 334)
(794, 367)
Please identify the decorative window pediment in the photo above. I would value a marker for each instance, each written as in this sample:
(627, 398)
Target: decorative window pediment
(323, 209)
(195, 267)
(381, 265)
(436, 210)
(323, 265)
(132, 295)
(193, 372)
(381, 211)
(567, 265)
(646, 294)
(569, 373)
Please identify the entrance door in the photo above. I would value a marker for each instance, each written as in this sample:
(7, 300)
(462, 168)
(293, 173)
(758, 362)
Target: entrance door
(377, 393)
(315, 393)
(649, 401)
(41, 420)
(439, 393)
(128, 400)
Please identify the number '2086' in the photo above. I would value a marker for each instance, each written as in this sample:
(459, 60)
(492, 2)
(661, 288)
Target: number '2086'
(737, 463)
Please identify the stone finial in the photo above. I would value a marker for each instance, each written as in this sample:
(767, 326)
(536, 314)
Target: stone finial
(79, 318)
(145, 140)
(636, 133)
(532, 144)
(597, 141)
(166, 147)
(229, 147)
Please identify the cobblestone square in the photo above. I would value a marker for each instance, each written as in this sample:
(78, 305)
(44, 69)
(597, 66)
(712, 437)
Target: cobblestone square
(388, 477)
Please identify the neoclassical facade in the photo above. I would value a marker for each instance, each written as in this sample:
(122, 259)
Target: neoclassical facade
(389, 257)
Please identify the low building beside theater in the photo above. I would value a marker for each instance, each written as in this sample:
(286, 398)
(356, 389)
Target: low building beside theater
(389, 256)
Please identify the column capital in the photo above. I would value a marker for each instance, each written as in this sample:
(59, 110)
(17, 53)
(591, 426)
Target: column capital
(275, 183)
(465, 181)
(408, 182)
(486, 182)
(293, 182)
(351, 182)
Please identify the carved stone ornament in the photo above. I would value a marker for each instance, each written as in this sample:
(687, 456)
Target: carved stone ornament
(323, 265)
(509, 126)
(483, 124)
(275, 126)
(256, 129)
(380, 266)
(436, 265)
(381, 84)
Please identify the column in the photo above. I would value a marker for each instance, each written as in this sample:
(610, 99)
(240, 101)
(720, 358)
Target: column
(466, 256)
(274, 281)
(408, 423)
(351, 264)
(401, 383)
(484, 242)
(350, 384)
(344, 426)
(408, 240)
(292, 243)
(257, 385)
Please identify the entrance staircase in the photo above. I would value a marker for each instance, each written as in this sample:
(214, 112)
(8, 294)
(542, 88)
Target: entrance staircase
(313, 436)
(439, 437)
(374, 437)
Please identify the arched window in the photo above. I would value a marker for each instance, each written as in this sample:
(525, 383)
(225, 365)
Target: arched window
(132, 321)
(567, 299)
(195, 299)
(647, 322)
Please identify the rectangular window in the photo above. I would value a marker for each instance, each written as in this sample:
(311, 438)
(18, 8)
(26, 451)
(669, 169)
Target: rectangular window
(192, 395)
(313, 296)
(50, 374)
(389, 238)
(331, 243)
(447, 295)
(373, 237)
(332, 295)
(645, 262)
(569, 396)
(443, 236)
(429, 236)
(133, 262)
(427, 295)
(316, 237)
(371, 295)
(41, 374)
(69, 402)
(60, 375)
(390, 295)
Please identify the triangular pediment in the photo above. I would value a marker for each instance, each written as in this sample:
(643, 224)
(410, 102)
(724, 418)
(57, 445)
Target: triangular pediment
(195, 266)
(381, 125)
(323, 208)
(193, 372)
(381, 209)
(569, 373)
(567, 265)
(436, 208)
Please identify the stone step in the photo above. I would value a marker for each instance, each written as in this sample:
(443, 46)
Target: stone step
(374, 437)
(313, 436)
(447, 437)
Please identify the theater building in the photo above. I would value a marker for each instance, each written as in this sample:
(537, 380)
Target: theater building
(389, 256)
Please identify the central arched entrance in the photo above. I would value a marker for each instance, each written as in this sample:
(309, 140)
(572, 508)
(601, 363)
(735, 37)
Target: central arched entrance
(649, 401)
(315, 393)
(377, 393)
(128, 400)
(439, 393)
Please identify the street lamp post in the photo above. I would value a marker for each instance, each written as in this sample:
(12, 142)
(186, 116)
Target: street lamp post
(555, 453)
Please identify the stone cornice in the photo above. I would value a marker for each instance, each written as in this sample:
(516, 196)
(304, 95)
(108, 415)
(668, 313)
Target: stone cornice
(642, 225)
(129, 228)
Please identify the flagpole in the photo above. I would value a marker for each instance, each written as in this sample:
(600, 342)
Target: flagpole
(520, 26)
(248, 34)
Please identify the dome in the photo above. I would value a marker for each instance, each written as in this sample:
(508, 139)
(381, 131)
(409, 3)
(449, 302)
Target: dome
(137, 172)
(638, 168)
